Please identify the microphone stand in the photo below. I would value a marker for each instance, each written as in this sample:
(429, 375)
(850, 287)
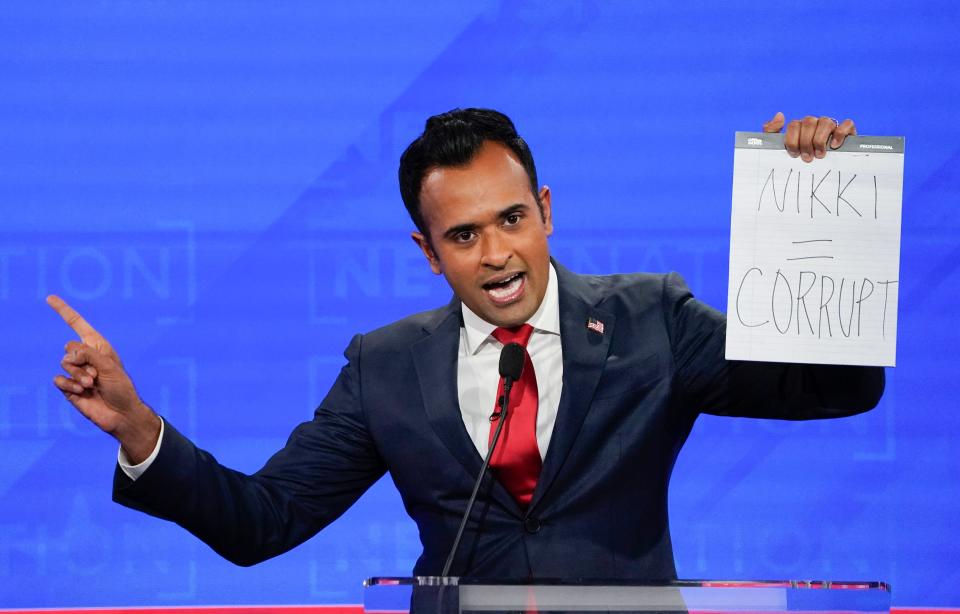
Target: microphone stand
(504, 402)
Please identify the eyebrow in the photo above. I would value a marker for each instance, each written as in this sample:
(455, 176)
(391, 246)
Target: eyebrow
(453, 231)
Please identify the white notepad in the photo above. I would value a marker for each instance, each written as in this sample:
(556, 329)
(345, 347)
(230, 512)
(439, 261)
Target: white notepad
(815, 252)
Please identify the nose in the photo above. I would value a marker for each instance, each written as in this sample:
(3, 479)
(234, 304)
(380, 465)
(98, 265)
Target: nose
(496, 250)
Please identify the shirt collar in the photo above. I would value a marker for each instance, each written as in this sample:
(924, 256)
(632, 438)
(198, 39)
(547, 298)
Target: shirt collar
(546, 319)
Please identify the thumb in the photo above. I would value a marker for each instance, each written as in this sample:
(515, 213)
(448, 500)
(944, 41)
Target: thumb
(775, 124)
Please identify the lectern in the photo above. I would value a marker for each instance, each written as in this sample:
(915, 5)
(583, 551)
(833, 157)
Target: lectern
(451, 595)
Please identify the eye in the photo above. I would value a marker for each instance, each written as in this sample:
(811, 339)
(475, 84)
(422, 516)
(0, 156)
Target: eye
(464, 237)
(513, 219)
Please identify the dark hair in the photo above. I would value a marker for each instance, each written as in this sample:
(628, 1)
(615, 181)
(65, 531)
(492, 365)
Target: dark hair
(453, 139)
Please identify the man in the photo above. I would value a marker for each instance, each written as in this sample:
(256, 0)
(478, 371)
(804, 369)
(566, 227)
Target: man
(616, 371)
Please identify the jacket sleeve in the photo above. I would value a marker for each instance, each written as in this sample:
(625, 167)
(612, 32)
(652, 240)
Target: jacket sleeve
(322, 470)
(709, 383)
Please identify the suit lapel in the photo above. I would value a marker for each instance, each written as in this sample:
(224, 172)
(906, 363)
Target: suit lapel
(435, 360)
(584, 356)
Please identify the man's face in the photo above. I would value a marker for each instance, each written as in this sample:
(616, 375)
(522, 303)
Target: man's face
(487, 235)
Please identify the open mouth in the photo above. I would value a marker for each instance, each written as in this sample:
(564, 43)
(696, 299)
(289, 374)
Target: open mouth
(507, 289)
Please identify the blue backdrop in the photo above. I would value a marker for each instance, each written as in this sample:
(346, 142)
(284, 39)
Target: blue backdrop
(213, 184)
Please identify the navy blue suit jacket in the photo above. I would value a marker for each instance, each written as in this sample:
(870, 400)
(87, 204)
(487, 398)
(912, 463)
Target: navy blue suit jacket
(630, 397)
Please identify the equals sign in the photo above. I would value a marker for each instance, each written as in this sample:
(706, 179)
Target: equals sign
(810, 242)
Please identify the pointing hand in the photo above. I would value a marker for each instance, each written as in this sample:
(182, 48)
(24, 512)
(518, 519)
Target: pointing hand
(99, 387)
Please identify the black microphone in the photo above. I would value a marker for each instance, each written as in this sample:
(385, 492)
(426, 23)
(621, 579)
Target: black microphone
(512, 357)
(511, 366)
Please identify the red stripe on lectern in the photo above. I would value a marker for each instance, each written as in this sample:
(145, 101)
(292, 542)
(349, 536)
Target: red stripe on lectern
(316, 609)
(241, 609)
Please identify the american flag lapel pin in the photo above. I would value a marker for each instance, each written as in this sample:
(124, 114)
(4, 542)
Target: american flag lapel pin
(595, 325)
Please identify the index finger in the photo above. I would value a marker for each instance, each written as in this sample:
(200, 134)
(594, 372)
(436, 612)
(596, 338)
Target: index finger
(74, 320)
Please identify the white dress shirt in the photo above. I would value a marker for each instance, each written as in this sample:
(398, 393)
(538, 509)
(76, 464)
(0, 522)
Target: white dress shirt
(478, 375)
(478, 369)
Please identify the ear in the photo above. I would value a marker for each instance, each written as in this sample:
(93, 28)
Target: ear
(427, 250)
(547, 211)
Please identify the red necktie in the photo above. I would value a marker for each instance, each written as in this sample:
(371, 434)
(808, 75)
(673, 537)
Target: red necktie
(517, 458)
